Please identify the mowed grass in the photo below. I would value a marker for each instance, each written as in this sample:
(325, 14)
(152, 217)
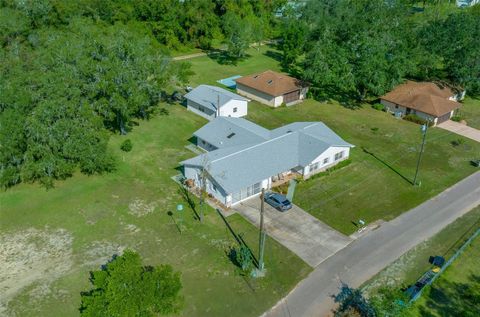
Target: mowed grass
(374, 186)
(97, 212)
(377, 184)
(407, 269)
(209, 69)
(470, 111)
(447, 295)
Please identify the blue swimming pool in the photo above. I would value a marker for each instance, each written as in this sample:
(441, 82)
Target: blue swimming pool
(229, 82)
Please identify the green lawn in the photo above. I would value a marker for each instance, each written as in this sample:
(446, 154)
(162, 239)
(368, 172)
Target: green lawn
(470, 111)
(370, 188)
(100, 215)
(374, 186)
(411, 266)
(447, 296)
(208, 69)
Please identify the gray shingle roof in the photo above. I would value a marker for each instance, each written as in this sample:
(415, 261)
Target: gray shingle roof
(226, 132)
(211, 97)
(287, 147)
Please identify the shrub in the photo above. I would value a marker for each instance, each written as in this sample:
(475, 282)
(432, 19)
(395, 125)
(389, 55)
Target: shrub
(374, 129)
(416, 119)
(456, 118)
(126, 145)
(328, 171)
(457, 142)
(378, 106)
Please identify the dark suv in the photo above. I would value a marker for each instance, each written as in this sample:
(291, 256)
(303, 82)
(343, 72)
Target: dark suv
(278, 201)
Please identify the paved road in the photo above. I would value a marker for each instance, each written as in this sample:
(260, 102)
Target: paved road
(461, 129)
(303, 234)
(365, 257)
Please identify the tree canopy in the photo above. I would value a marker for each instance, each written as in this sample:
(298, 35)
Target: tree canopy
(127, 288)
(73, 72)
(354, 50)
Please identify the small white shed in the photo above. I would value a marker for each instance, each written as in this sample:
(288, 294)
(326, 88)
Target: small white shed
(211, 102)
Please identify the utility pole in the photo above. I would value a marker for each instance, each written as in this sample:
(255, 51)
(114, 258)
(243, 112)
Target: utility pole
(262, 233)
(424, 132)
(203, 192)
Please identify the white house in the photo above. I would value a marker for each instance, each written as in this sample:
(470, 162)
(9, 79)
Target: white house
(243, 157)
(272, 88)
(211, 102)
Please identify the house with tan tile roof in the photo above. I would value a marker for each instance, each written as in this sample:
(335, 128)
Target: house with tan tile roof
(424, 99)
(272, 88)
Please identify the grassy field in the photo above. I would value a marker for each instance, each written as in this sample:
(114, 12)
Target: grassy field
(209, 69)
(345, 196)
(470, 111)
(410, 266)
(448, 295)
(377, 184)
(50, 240)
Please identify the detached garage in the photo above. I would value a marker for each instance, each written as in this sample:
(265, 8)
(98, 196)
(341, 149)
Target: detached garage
(272, 88)
(211, 102)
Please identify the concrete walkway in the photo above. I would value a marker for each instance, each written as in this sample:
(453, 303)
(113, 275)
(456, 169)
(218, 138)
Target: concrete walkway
(461, 129)
(303, 234)
(365, 257)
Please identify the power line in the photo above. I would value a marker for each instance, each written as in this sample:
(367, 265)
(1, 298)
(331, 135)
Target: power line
(373, 175)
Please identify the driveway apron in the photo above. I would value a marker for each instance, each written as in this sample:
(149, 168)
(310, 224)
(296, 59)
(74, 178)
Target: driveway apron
(297, 230)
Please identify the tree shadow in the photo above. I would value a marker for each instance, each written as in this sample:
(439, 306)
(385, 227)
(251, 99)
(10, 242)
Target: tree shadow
(326, 94)
(387, 165)
(448, 298)
(223, 58)
(274, 55)
(187, 196)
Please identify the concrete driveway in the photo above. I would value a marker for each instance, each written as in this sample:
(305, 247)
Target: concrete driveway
(303, 234)
(461, 129)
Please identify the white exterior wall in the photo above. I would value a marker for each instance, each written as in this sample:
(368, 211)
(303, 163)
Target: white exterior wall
(227, 109)
(330, 154)
(278, 101)
(257, 95)
(266, 184)
(193, 172)
(394, 108)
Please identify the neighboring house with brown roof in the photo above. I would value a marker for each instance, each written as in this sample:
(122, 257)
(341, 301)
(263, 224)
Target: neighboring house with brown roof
(426, 100)
(272, 88)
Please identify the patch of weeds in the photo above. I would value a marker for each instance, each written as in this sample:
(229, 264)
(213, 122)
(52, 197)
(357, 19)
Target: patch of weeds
(374, 129)
(330, 170)
(457, 142)
(378, 106)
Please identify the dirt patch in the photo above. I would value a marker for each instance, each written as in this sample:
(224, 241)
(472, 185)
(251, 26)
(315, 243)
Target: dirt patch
(100, 252)
(32, 256)
(141, 208)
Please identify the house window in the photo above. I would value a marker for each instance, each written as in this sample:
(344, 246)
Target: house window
(235, 109)
(338, 156)
(313, 167)
(396, 106)
(325, 160)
